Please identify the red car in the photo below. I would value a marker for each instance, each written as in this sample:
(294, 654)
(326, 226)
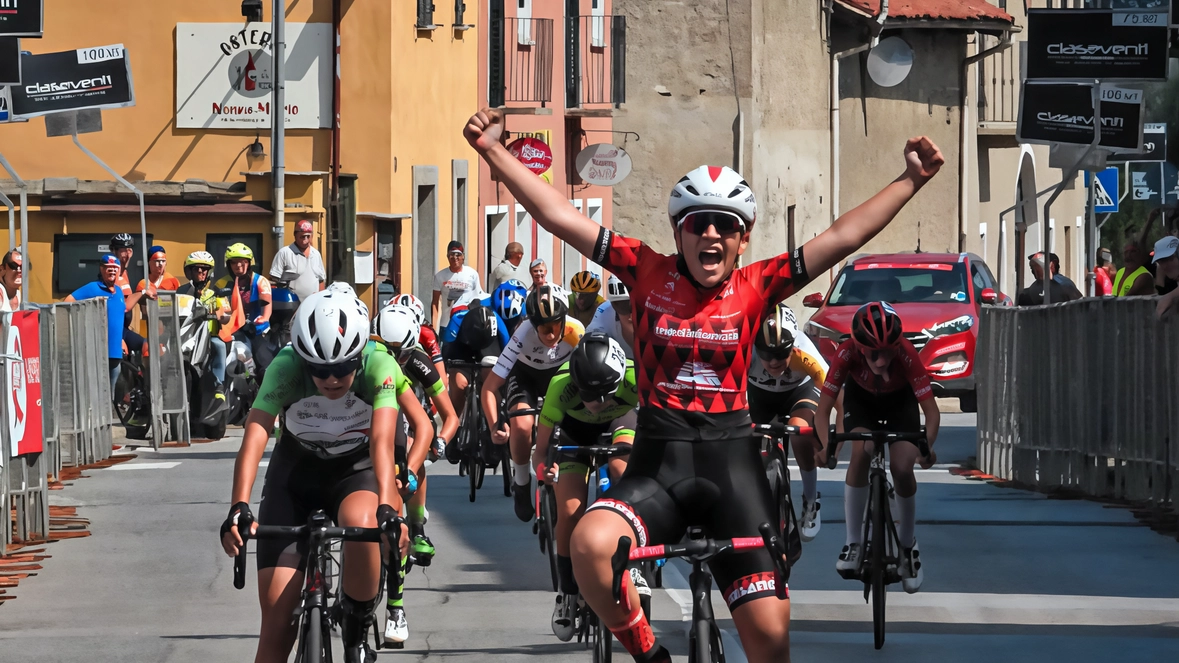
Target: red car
(938, 296)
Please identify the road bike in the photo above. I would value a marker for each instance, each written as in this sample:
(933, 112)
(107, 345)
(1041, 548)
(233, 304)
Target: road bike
(504, 417)
(880, 561)
(775, 438)
(319, 607)
(704, 639)
(473, 432)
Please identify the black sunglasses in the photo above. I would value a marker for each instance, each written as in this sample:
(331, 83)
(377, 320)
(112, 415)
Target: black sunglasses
(773, 354)
(325, 371)
(594, 396)
(725, 223)
(16, 266)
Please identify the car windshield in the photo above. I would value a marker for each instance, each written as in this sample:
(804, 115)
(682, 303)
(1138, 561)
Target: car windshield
(899, 283)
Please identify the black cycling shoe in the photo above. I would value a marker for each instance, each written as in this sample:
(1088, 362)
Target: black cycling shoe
(522, 496)
(492, 454)
(452, 453)
(361, 653)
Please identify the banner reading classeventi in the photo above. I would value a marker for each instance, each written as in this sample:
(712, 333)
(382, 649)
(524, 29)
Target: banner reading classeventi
(96, 77)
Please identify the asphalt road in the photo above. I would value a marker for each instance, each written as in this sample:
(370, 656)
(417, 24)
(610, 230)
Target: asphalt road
(1009, 575)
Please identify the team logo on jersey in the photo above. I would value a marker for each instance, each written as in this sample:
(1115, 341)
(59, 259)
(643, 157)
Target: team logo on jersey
(698, 374)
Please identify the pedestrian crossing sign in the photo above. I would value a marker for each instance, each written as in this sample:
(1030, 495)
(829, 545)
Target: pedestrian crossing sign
(1105, 191)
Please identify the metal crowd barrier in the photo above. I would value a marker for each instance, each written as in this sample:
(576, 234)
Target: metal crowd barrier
(1081, 396)
(165, 370)
(79, 380)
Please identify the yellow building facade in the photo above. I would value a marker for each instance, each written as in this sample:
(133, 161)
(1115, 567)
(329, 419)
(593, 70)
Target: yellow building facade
(405, 87)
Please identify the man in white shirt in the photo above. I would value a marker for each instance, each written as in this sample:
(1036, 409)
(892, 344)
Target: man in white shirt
(450, 283)
(300, 264)
(509, 268)
(539, 273)
(11, 275)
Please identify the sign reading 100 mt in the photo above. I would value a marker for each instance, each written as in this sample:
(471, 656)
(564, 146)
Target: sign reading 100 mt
(1107, 44)
(98, 77)
(1063, 113)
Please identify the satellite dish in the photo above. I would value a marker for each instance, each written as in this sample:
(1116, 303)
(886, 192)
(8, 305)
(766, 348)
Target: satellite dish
(889, 63)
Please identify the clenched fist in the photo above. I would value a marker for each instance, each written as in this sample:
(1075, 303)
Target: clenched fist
(922, 158)
(485, 129)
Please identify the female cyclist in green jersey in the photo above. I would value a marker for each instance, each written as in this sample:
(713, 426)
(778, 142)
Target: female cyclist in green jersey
(336, 453)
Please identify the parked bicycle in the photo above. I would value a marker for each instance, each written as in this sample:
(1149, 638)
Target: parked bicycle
(320, 608)
(880, 564)
(704, 640)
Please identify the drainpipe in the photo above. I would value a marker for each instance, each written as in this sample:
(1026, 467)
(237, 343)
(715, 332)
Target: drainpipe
(334, 197)
(963, 130)
(834, 86)
(278, 119)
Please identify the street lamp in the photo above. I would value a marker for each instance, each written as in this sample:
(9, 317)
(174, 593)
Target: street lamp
(252, 10)
(256, 151)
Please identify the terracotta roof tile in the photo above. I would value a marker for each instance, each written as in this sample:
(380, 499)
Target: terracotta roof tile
(954, 10)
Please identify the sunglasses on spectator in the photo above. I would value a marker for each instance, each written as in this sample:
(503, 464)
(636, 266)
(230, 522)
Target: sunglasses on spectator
(325, 371)
(726, 223)
(15, 265)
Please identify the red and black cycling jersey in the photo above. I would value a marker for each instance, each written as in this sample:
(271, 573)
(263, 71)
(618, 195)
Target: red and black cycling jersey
(428, 339)
(693, 345)
(905, 370)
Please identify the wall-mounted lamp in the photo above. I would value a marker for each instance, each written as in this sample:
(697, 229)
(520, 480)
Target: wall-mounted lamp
(256, 151)
(252, 10)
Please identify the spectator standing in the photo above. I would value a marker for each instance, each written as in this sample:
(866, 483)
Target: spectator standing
(12, 271)
(451, 282)
(1102, 279)
(299, 264)
(509, 267)
(121, 245)
(1133, 279)
(107, 286)
(157, 272)
(1166, 258)
(1061, 289)
(539, 273)
(249, 299)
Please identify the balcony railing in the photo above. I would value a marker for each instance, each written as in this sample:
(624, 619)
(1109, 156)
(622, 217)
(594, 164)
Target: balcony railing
(596, 53)
(998, 78)
(520, 61)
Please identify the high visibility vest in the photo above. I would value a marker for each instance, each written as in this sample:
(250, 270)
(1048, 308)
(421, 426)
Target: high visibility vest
(1123, 283)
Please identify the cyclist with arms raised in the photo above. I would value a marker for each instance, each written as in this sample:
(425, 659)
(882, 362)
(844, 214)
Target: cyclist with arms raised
(339, 409)
(695, 460)
(889, 388)
(540, 345)
(594, 393)
(784, 380)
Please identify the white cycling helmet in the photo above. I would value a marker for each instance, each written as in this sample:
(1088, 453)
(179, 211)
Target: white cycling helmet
(414, 303)
(329, 328)
(713, 187)
(616, 290)
(342, 288)
(397, 325)
(558, 291)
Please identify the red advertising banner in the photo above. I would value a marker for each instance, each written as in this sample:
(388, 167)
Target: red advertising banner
(24, 383)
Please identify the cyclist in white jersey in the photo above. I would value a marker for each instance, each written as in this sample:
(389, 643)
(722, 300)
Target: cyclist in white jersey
(613, 317)
(539, 346)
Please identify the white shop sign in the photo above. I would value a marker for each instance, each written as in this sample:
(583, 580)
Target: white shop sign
(223, 75)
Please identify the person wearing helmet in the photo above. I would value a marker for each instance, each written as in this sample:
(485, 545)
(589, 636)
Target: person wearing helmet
(428, 338)
(888, 390)
(198, 269)
(613, 317)
(538, 347)
(397, 330)
(248, 294)
(508, 302)
(338, 409)
(122, 246)
(593, 394)
(475, 334)
(784, 380)
(695, 316)
(585, 299)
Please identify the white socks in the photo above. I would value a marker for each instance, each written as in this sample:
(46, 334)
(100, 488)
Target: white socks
(810, 485)
(855, 500)
(907, 517)
(521, 473)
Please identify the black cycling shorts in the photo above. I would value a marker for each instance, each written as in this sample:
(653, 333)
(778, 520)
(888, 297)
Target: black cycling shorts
(299, 483)
(896, 412)
(527, 384)
(718, 485)
(765, 405)
(456, 351)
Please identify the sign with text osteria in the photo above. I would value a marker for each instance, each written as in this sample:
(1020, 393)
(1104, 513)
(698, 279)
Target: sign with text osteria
(1106, 44)
(223, 75)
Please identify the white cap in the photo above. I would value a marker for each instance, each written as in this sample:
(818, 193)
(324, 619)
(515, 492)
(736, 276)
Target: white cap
(1166, 247)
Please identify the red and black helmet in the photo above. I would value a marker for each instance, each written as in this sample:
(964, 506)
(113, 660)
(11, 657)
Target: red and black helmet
(876, 326)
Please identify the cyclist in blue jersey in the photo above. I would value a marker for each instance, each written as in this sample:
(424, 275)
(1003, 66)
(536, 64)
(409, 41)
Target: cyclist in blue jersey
(508, 302)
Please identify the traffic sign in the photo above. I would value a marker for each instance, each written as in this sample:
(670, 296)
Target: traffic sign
(1105, 193)
(1170, 184)
(1106, 44)
(1063, 113)
(1146, 183)
(1154, 145)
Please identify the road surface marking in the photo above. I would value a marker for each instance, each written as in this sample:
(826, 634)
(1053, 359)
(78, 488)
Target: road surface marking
(145, 466)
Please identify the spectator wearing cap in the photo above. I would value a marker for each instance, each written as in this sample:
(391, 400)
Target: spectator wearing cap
(539, 272)
(157, 272)
(12, 271)
(299, 264)
(509, 267)
(1166, 259)
(107, 286)
(450, 283)
(1102, 273)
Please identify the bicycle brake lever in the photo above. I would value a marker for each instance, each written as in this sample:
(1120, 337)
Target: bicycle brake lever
(618, 564)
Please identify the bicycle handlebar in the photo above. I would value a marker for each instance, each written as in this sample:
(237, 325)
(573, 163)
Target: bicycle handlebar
(521, 413)
(783, 429)
(878, 436)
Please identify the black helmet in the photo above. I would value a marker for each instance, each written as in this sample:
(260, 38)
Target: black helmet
(597, 367)
(774, 339)
(546, 304)
(478, 328)
(122, 241)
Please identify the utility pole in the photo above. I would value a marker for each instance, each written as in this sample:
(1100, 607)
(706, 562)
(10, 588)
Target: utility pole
(278, 118)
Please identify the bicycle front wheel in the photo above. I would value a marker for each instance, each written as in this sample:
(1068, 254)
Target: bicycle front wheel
(879, 554)
(311, 649)
(549, 509)
(603, 642)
